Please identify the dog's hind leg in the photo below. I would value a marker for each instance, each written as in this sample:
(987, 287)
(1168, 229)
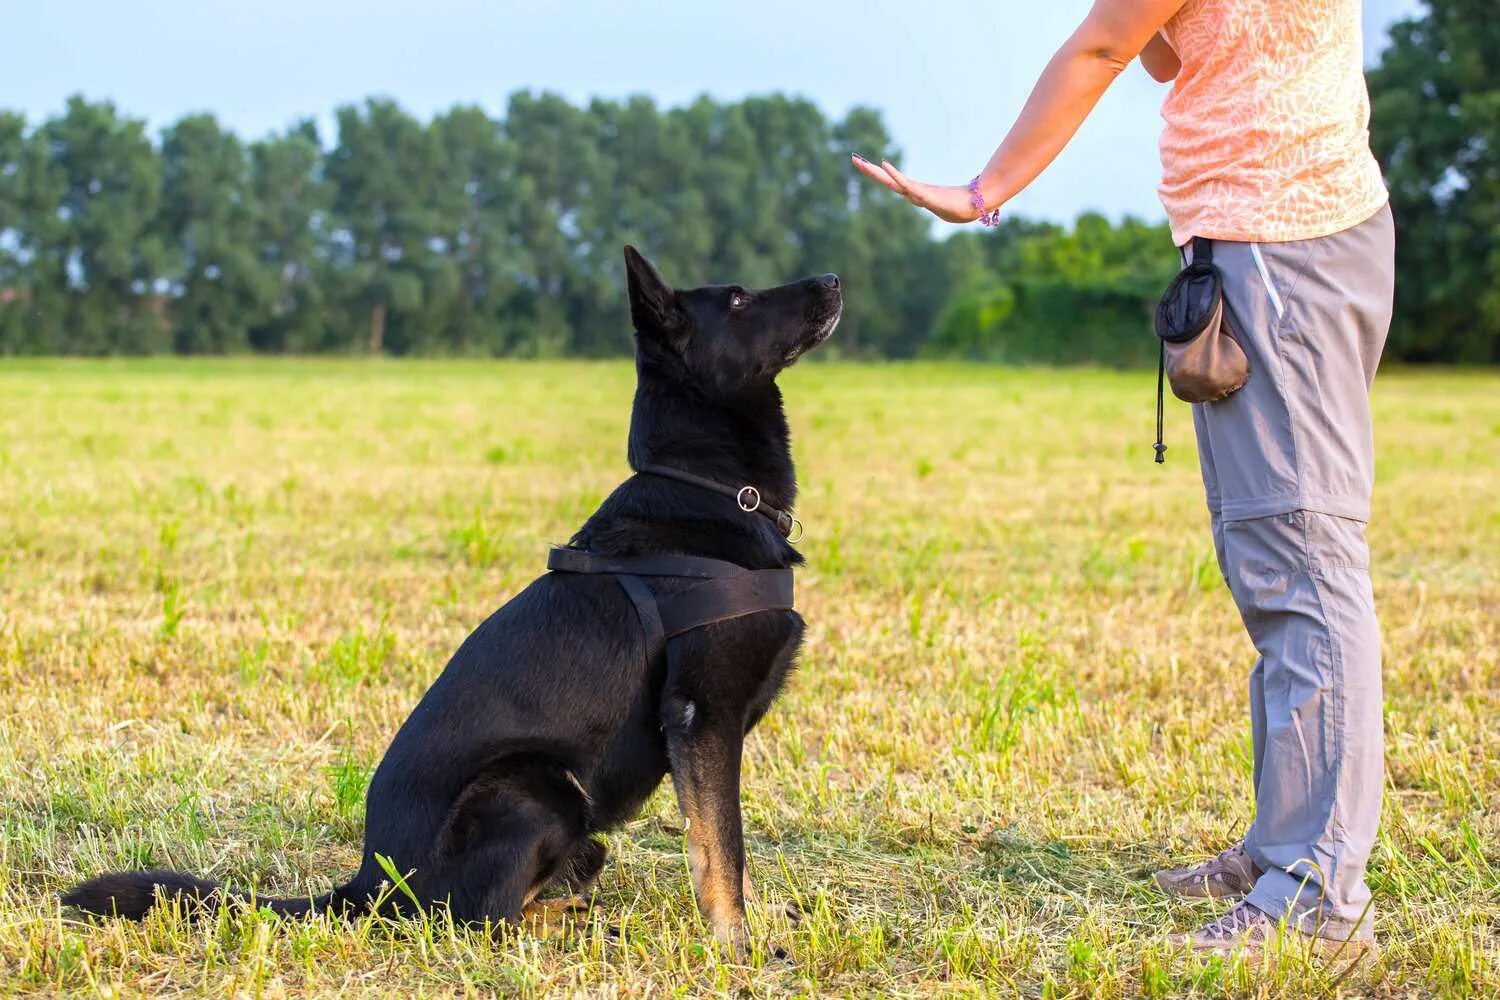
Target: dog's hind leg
(509, 836)
(578, 874)
(498, 878)
(494, 882)
(569, 888)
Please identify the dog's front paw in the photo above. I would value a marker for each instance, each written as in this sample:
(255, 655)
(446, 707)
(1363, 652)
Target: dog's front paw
(733, 937)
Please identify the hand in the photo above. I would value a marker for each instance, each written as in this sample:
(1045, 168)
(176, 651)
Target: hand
(947, 202)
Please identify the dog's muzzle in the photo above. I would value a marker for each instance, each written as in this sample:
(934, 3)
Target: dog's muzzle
(822, 330)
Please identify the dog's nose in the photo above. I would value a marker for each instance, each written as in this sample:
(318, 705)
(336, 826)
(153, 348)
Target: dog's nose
(830, 281)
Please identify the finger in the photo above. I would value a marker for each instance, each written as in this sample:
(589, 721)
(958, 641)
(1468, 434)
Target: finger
(865, 167)
(912, 190)
(875, 173)
(906, 183)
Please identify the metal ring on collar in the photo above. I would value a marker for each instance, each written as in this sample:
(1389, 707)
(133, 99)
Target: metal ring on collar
(748, 498)
(794, 532)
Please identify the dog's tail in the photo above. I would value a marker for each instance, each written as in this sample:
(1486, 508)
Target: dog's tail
(132, 895)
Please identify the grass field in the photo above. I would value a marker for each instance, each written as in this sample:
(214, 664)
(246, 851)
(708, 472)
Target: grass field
(224, 583)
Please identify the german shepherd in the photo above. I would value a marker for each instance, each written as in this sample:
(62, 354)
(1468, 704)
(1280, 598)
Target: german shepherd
(552, 722)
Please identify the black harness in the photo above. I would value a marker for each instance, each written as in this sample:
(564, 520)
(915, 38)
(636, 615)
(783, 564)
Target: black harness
(724, 590)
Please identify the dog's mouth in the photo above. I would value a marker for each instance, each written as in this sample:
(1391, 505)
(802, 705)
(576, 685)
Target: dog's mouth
(821, 329)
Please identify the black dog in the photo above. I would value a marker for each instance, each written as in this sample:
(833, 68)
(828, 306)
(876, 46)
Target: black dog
(560, 714)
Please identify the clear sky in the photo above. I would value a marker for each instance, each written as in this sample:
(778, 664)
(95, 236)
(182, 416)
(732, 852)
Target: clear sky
(950, 75)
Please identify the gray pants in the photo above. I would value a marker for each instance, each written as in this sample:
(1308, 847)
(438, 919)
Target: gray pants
(1288, 466)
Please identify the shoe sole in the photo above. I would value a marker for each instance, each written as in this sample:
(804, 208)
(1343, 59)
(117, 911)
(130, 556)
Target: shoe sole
(1347, 955)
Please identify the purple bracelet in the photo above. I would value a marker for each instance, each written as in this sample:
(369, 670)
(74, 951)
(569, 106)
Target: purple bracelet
(990, 218)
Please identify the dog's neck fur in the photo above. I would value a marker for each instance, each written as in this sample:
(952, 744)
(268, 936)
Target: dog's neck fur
(744, 441)
(738, 442)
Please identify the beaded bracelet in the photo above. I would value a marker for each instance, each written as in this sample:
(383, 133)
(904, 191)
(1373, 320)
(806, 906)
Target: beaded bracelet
(990, 218)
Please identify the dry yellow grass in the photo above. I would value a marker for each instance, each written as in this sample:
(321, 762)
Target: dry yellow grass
(223, 584)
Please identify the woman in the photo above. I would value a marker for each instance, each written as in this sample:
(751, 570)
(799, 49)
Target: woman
(1265, 152)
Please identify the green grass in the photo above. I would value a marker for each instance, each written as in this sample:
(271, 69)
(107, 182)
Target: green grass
(224, 583)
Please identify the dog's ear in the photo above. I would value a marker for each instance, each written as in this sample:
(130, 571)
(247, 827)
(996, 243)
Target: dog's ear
(654, 308)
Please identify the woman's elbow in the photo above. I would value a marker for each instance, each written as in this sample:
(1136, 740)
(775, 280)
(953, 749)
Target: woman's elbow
(1111, 57)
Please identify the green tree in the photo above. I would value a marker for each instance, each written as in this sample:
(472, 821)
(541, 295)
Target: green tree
(94, 187)
(221, 288)
(12, 153)
(471, 192)
(1435, 121)
(896, 277)
(648, 163)
(34, 320)
(290, 233)
(13, 292)
(557, 185)
(653, 162)
(1057, 296)
(383, 171)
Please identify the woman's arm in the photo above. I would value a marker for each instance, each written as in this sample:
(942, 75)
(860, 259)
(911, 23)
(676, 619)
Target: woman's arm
(1159, 60)
(1112, 34)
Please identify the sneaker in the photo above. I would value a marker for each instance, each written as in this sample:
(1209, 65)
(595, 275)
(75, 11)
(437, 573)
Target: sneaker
(1250, 933)
(1232, 873)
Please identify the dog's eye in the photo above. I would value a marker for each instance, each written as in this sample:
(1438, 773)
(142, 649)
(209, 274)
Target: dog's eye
(739, 299)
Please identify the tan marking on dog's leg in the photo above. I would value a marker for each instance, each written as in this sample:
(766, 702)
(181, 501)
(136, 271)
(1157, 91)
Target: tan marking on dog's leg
(717, 880)
(705, 772)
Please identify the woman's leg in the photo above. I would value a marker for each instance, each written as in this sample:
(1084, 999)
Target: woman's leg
(1216, 529)
(1302, 584)
(1293, 465)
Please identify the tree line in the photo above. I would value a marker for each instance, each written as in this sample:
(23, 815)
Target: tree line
(462, 234)
(467, 234)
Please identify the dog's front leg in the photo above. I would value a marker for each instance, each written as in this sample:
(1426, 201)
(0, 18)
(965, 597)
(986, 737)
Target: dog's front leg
(705, 758)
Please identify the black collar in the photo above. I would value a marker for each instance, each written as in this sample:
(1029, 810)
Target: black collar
(747, 498)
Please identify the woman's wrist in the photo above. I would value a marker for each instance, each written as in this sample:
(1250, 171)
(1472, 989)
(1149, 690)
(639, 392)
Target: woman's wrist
(984, 195)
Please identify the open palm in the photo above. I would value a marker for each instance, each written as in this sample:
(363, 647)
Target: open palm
(946, 201)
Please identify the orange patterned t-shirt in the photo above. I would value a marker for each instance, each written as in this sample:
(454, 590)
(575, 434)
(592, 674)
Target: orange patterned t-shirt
(1267, 125)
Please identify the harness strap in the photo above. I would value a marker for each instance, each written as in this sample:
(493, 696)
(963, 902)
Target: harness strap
(725, 590)
(645, 608)
(727, 598)
(578, 561)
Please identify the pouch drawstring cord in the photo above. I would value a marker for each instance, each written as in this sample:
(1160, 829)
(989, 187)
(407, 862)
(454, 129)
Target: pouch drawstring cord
(1161, 370)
